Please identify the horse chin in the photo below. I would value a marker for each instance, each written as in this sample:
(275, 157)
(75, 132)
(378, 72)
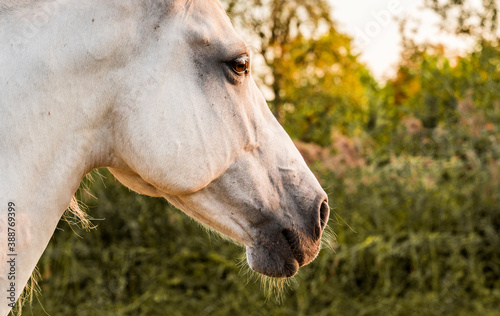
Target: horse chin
(275, 264)
(282, 253)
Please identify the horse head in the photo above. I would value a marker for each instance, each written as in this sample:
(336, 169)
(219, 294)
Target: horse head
(161, 93)
(191, 126)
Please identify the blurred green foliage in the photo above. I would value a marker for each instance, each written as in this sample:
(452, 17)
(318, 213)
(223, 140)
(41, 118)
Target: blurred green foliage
(325, 86)
(412, 169)
(478, 19)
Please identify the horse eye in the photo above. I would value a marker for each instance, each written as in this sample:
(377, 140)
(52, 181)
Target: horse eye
(240, 65)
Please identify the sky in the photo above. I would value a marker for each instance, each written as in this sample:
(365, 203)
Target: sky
(374, 27)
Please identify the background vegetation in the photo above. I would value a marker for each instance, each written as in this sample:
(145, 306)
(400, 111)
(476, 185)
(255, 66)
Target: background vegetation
(412, 168)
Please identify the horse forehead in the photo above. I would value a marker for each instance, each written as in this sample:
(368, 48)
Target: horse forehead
(207, 23)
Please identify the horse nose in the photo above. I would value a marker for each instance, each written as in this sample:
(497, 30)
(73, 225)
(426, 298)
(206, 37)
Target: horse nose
(323, 214)
(302, 246)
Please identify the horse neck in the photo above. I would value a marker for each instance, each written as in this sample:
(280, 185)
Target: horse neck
(54, 126)
(57, 89)
(53, 131)
(45, 153)
(56, 103)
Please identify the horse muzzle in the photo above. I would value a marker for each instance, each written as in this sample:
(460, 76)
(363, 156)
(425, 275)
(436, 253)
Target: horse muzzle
(280, 250)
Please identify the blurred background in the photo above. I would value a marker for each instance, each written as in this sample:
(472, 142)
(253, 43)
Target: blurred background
(395, 105)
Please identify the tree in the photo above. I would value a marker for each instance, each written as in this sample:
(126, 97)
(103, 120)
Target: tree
(276, 23)
(467, 17)
(316, 80)
(325, 87)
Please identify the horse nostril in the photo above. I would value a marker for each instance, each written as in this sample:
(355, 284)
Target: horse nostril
(324, 213)
(294, 243)
(317, 232)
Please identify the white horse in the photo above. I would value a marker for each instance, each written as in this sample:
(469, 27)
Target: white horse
(160, 92)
